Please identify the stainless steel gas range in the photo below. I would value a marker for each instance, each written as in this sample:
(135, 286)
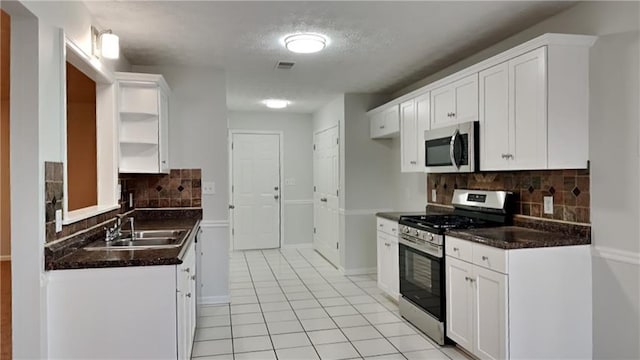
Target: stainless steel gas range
(422, 261)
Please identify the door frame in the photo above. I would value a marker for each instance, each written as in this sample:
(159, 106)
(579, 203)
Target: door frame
(280, 180)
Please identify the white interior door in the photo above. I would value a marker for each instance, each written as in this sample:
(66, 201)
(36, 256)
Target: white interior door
(255, 191)
(325, 196)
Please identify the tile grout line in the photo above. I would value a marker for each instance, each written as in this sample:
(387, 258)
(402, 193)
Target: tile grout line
(289, 302)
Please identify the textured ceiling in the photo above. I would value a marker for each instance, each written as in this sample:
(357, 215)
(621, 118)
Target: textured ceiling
(374, 46)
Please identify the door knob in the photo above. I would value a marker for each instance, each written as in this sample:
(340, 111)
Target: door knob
(276, 197)
(276, 188)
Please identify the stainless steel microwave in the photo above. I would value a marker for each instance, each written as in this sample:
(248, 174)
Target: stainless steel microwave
(452, 149)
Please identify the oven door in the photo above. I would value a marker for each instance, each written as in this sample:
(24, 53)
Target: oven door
(422, 280)
(451, 149)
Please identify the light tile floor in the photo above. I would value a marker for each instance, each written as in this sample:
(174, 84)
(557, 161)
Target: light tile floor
(292, 304)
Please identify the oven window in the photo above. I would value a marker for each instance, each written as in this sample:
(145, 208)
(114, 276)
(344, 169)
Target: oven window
(422, 280)
(437, 152)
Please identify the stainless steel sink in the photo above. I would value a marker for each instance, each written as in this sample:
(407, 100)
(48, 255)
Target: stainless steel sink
(144, 239)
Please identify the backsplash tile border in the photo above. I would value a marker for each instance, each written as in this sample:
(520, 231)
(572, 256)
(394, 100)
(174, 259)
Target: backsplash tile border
(570, 190)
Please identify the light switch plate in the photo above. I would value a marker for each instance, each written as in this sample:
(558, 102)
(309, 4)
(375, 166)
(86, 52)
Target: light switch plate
(58, 220)
(548, 205)
(208, 187)
(433, 195)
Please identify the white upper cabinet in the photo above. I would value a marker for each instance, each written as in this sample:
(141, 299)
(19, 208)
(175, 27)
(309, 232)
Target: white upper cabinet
(385, 123)
(143, 109)
(513, 107)
(414, 120)
(455, 103)
(534, 111)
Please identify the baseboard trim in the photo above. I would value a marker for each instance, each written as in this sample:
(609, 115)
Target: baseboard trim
(214, 223)
(297, 246)
(360, 271)
(213, 300)
(5, 257)
(623, 256)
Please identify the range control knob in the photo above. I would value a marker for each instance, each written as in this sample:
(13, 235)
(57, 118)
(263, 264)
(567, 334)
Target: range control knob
(416, 232)
(431, 237)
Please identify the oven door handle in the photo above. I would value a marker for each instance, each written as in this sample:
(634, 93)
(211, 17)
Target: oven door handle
(429, 250)
(452, 146)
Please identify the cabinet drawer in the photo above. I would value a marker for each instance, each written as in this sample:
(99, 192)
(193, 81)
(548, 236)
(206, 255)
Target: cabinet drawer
(388, 226)
(459, 249)
(490, 258)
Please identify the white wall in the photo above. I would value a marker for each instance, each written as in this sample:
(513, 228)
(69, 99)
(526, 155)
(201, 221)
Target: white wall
(36, 136)
(410, 189)
(615, 163)
(198, 139)
(297, 164)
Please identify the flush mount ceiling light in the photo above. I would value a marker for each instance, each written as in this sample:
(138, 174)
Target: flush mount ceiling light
(105, 44)
(275, 103)
(305, 43)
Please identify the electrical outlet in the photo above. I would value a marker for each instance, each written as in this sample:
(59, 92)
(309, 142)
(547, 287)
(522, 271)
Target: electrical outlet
(433, 195)
(58, 220)
(548, 205)
(208, 187)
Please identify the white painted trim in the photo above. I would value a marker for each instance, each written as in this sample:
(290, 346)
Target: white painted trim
(299, 202)
(213, 300)
(543, 40)
(360, 212)
(623, 256)
(88, 212)
(358, 271)
(5, 257)
(298, 246)
(214, 223)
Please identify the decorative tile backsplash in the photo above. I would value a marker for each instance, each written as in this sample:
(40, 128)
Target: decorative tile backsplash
(54, 200)
(179, 188)
(570, 190)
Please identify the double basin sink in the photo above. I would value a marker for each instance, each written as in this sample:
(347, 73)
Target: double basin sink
(143, 239)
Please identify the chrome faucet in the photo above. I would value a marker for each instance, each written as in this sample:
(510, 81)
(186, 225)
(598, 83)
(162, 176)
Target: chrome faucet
(115, 232)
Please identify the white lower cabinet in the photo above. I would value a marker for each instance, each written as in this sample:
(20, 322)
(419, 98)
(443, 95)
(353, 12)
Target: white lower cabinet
(388, 261)
(122, 312)
(503, 304)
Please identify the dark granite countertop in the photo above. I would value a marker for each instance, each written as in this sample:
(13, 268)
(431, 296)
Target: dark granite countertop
(515, 237)
(74, 256)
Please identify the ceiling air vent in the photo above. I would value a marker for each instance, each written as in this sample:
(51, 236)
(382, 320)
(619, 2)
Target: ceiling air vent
(284, 65)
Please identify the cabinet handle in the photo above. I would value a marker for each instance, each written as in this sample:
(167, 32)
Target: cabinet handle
(381, 126)
(510, 156)
(380, 225)
(387, 244)
(188, 295)
(456, 249)
(412, 162)
(186, 270)
(466, 278)
(484, 258)
(394, 230)
(193, 277)
(453, 114)
(164, 161)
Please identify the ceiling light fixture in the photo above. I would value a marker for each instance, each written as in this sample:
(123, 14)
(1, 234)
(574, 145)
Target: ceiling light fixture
(305, 43)
(105, 44)
(275, 103)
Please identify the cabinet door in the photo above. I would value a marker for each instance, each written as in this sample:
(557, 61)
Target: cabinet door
(466, 99)
(460, 309)
(442, 107)
(392, 120)
(491, 317)
(494, 118)
(408, 137)
(423, 117)
(394, 273)
(382, 262)
(528, 99)
(377, 125)
(164, 132)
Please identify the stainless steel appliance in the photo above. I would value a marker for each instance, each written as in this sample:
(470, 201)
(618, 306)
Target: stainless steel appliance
(422, 261)
(452, 149)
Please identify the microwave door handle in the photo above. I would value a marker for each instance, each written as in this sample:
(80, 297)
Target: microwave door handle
(452, 146)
